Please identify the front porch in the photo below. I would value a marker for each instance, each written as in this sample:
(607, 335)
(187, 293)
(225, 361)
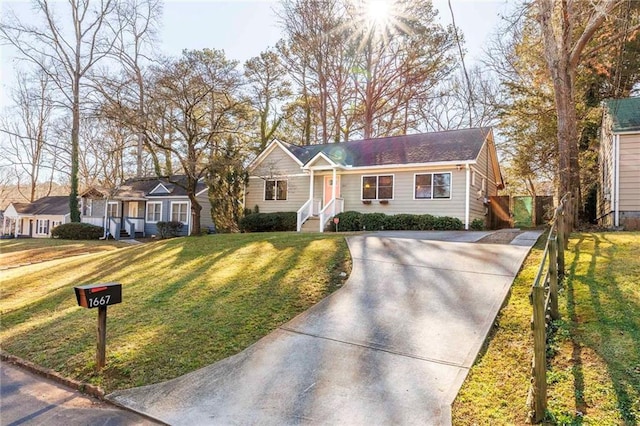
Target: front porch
(316, 212)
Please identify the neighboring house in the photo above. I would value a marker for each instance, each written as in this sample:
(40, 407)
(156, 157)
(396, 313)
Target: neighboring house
(36, 219)
(619, 159)
(132, 210)
(140, 203)
(450, 173)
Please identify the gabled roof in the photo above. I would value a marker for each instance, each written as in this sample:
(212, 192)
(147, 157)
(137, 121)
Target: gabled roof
(142, 188)
(54, 205)
(438, 147)
(624, 113)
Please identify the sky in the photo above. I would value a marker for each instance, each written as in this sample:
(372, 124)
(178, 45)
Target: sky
(244, 28)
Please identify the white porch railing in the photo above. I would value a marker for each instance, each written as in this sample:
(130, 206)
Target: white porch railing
(93, 220)
(304, 213)
(332, 208)
(114, 227)
(133, 225)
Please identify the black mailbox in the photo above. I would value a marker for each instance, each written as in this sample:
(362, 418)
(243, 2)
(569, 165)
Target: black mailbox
(98, 295)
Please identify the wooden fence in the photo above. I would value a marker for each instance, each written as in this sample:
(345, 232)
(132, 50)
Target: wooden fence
(544, 298)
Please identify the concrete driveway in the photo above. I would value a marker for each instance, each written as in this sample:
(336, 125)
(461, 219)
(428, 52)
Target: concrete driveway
(393, 346)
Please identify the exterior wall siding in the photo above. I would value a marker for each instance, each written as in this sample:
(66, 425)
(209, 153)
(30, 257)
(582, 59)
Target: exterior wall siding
(630, 173)
(606, 191)
(297, 195)
(277, 163)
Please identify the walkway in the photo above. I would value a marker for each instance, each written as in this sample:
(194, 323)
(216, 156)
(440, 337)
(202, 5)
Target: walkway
(393, 346)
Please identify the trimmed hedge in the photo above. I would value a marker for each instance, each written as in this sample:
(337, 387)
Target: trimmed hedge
(169, 229)
(269, 222)
(77, 231)
(477, 224)
(355, 221)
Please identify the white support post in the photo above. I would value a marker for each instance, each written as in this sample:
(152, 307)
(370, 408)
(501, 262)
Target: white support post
(311, 179)
(467, 198)
(333, 191)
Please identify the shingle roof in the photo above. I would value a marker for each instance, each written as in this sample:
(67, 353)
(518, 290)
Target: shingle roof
(452, 145)
(625, 114)
(54, 205)
(139, 188)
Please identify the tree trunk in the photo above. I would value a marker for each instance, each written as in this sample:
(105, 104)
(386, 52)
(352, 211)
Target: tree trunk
(75, 149)
(196, 214)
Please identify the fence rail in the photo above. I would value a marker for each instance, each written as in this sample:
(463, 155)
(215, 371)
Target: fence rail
(544, 298)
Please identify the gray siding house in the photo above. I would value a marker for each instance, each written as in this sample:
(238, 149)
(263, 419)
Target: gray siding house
(619, 160)
(450, 173)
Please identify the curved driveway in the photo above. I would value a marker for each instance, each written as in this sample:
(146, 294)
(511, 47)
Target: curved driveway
(393, 346)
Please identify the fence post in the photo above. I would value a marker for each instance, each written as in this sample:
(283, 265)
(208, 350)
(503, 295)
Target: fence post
(553, 277)
(560, 240)
(539, 355)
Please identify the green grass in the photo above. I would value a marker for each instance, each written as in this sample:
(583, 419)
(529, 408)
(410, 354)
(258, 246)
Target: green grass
(19, 251)
(187, 302)
(594, 363)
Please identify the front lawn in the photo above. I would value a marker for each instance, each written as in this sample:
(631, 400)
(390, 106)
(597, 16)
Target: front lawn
(20, 251)
(187, 302)
(594, 364)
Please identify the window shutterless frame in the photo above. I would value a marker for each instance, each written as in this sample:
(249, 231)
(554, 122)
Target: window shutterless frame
(436, 187)
(377, 187)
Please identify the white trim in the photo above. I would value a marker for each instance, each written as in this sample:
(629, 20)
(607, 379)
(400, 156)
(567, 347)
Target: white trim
(377, 176)
(260, 158)
(206, 188)
(324, 187)
(37, 227)
(163, 197)
(275, 190)
(321, 155)
(280, 176)
(112, 203)
(146, 213)
(153, 191)
(187, 213)
(408, 166)
(467, 198)
(616, 201)
(432, 197)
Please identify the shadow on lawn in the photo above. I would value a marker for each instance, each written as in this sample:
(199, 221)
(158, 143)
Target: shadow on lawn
(182, 311)
(601, 317)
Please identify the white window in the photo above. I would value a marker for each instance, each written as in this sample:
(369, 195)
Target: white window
(112, 210)
(428, 186)
(87, 206)
(473, 178)
(42, 226)
(179, 211)
(55, 223)
(275, 189)
(154, 211)
(377, 187)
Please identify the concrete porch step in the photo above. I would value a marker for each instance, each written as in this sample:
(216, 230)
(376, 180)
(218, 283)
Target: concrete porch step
(311, 225)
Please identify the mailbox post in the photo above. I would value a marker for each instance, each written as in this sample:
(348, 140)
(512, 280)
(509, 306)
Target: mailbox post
(99, 296)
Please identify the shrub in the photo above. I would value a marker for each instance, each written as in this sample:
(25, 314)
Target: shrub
(373, 221)
(403, 222)
(477, 224)
(77, 231)
(269, 222)
(349, 222)
(169, 229)
(426, 222)
(446, 223)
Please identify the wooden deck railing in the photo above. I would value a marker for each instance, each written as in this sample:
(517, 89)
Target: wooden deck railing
(544, 298)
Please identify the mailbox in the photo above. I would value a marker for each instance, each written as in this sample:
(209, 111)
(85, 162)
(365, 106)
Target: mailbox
(98, 295)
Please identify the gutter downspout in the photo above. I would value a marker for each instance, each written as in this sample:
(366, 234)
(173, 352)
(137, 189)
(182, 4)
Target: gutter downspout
(616, 201)
(467, 196)
(104, 221)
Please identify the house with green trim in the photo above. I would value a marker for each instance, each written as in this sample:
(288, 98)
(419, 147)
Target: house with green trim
(618, 203)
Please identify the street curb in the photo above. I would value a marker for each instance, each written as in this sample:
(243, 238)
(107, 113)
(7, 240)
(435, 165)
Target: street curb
(86, 388)
(82, 387)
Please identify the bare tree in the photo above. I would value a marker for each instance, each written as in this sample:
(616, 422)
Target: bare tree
(66, 46)
(30, 147)
(567, 27)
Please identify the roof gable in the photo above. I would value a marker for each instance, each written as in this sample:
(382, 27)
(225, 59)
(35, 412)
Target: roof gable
(275, 144)
(169, 186)
(160, 189)
(624, 113)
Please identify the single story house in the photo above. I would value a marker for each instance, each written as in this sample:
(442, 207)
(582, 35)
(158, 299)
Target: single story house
(450, 173)
(139, 204)
(36, 219)
(132, 210)
(619, 159)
